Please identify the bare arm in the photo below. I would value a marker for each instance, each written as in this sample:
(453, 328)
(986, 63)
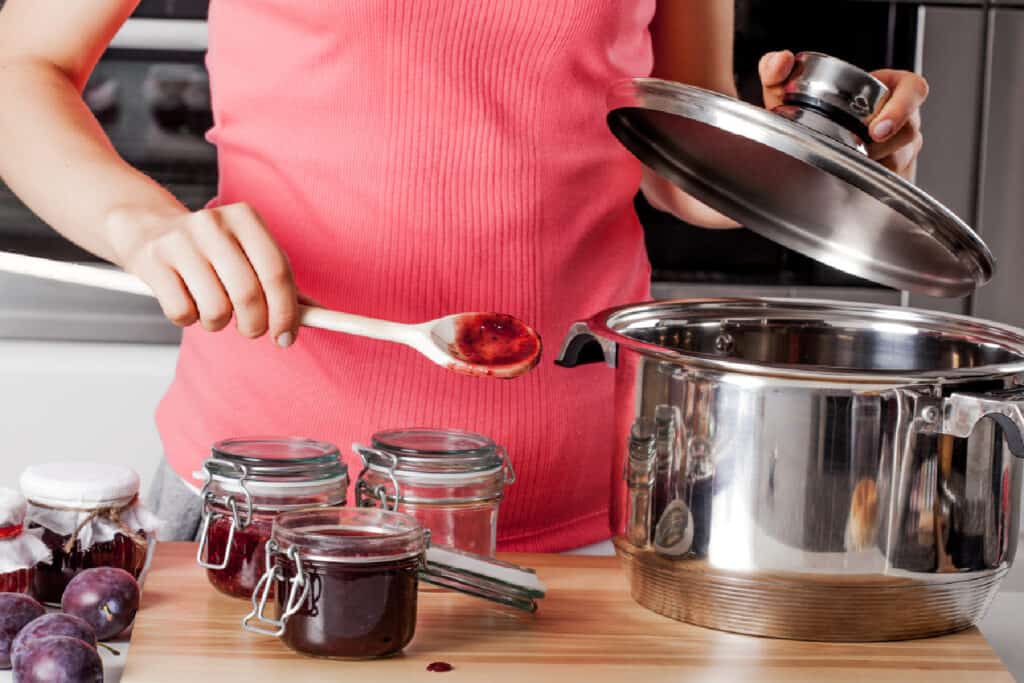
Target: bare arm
(692, 42)
(206, 266)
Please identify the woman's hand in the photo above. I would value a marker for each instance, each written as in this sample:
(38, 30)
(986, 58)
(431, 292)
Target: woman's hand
(210, 265)
(895, 131)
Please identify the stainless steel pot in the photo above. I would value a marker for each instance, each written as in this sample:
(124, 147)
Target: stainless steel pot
(812, 470)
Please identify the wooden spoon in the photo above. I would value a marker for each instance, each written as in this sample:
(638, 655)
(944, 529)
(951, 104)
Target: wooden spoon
(482, 344)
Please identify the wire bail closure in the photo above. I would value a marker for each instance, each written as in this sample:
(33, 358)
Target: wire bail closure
(264, 625)
(237, 520)
(365, 495)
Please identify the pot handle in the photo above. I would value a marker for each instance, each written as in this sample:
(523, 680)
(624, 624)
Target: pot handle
(581, 347)
(959, 414)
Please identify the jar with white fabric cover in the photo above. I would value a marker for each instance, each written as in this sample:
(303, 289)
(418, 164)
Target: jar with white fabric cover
(89, 515)
(19, 552)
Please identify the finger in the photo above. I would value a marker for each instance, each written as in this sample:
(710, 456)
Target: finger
(902, 160)
(880, 150)
(909, 92)
(236, 274)
(774, 68)
(171, 293)
(272, 269)
(201, 280)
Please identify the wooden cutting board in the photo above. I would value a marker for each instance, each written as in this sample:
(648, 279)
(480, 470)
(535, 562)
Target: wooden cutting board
(587, 629)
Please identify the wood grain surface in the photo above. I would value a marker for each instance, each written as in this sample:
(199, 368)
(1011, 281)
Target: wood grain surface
(587, 629)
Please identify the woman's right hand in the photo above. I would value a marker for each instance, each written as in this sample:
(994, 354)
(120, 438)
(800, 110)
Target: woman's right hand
(209, 266)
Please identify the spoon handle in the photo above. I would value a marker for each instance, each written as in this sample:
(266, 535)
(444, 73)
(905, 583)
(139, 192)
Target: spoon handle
(336, 321)
(119, 281)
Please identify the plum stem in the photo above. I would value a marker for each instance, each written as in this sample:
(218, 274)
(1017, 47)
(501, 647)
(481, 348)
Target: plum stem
(109, 649)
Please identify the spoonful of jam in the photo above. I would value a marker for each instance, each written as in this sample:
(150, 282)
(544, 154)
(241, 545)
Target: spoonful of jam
(480, 344)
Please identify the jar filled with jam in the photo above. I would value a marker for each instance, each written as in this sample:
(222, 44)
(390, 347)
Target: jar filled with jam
(19, 552)
(345, 581)
(451, 481)
(249, 481)
(89, 515)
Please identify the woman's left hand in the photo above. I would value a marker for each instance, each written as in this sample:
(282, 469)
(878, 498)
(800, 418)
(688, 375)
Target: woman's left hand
(896, 130)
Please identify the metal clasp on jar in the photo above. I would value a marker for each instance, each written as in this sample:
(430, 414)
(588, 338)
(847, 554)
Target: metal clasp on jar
(237, 520)
(506, 463)
(261, 593)
(367, 496)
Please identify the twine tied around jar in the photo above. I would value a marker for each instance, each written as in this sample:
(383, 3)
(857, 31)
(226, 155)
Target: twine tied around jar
(112, 514)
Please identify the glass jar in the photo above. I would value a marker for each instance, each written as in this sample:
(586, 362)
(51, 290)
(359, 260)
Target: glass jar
(248, 482)
(89, 516)
(451, 481)
(345, 581)
(20, 553)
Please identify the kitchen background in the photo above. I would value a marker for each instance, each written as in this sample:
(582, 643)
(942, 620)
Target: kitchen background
(84, 369)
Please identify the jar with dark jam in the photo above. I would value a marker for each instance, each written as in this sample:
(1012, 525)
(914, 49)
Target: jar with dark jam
(88, 515)
(344, 581)
(451, 481)
(20, 553)
(249, 482)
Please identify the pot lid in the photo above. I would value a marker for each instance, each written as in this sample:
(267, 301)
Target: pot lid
(800, 175)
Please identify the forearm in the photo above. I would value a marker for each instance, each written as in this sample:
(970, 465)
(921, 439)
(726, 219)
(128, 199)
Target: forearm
(58, 160)
(692, 41)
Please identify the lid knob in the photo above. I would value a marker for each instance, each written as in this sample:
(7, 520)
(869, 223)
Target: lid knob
(832, 97)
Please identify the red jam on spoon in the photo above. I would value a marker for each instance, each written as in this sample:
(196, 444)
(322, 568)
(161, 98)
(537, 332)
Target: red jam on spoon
(495, 340)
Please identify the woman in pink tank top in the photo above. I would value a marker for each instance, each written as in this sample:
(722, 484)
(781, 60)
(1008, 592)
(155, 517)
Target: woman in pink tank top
(402, 159)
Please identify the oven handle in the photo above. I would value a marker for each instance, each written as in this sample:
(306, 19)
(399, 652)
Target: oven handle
(188, 35)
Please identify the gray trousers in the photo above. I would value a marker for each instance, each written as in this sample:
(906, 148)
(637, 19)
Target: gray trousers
(176, 504)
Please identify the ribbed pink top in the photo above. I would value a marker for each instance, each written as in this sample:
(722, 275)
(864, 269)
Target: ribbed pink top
(417, 158)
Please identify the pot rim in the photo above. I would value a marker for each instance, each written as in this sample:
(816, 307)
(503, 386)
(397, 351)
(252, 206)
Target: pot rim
(1004, 336)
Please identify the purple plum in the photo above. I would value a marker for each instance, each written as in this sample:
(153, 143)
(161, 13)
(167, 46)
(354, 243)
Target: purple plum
(105, 597)
(58, 659)
(16, 610)
(55, 624)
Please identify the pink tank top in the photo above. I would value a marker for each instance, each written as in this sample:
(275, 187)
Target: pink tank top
(416, 158)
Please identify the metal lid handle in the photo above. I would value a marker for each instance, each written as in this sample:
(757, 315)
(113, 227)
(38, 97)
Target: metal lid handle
(365, 494)
(833, 97)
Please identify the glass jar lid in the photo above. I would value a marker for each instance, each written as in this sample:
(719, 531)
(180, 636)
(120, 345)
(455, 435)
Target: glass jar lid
(280, 461)
(349, 535)
(434, 451)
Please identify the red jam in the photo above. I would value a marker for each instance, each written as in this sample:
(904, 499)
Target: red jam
(51, 579)
(246, 561)
(495, 339)
(18, 581)
(439, 667)
(353, 610)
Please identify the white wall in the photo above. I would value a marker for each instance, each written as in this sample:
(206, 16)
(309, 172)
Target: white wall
(81, 401)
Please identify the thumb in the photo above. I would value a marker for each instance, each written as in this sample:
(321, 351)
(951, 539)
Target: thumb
(774, 68)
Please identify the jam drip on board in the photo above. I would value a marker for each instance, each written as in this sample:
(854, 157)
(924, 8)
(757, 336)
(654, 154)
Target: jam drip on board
(495, 340)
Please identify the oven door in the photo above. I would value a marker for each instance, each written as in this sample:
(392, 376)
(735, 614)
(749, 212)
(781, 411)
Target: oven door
(150, 92)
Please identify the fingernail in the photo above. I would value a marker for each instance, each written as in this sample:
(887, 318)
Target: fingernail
(285, 339)
(883, 129)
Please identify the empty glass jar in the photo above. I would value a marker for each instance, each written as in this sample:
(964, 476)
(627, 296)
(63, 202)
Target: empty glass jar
(249, 482)
(451, 481)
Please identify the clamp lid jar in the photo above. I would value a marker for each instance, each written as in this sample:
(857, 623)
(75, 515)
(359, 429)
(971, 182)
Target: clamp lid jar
(248, 482)
(346, 581)
(452, 481)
